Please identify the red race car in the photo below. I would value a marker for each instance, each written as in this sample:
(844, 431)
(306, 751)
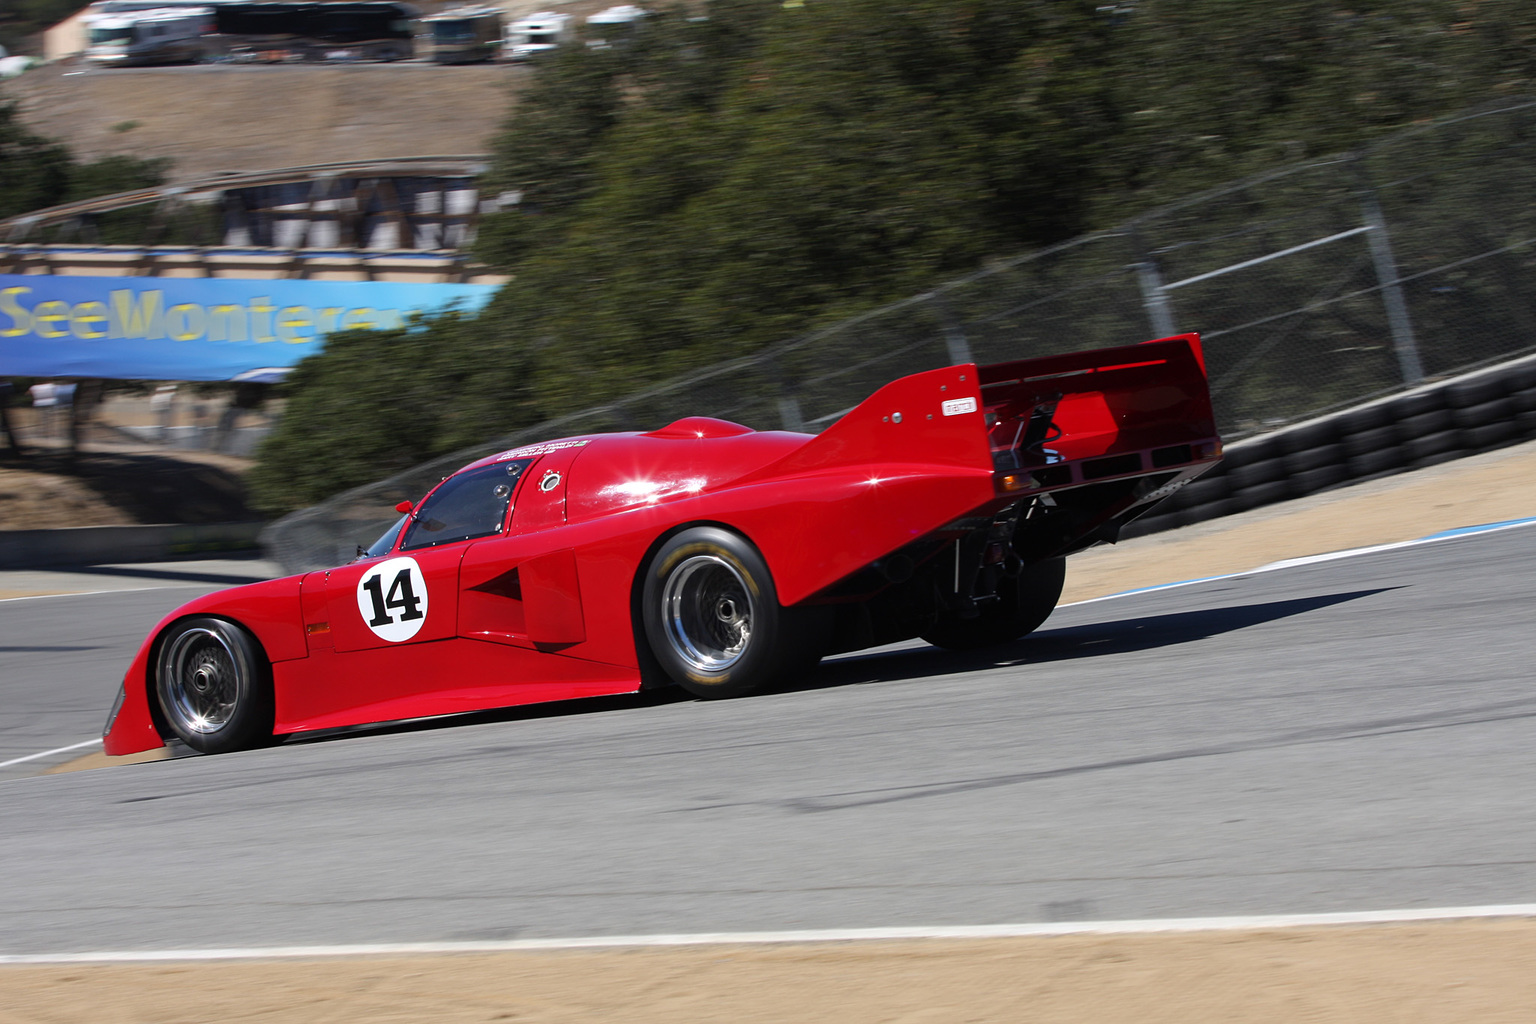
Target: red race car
(704, 553)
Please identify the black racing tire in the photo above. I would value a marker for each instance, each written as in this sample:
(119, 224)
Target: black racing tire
(1018, 611)
(213, 686)
(713, 620)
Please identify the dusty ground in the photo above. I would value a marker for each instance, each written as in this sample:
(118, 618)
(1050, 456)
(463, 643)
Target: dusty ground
(104, 487)
(263, 118)
(1452, 972)
(254, 117)
(1483, 971)
(1488, 488)
(116, 479)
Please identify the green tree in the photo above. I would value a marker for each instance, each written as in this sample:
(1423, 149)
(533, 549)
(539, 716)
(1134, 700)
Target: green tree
(375, 402)
(746, 171)
(34, 172)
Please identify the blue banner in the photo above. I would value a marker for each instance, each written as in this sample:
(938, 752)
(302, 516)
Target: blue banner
(193, 328)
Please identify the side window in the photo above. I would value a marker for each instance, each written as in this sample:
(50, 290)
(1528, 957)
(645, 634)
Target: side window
(471, 504)
(385, 544)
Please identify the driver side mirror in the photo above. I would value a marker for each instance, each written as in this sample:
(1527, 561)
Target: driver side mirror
(405, 506)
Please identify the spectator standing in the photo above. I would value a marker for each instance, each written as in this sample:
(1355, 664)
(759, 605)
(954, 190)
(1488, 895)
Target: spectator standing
(163, 406)
(45, 399)
(5, 419)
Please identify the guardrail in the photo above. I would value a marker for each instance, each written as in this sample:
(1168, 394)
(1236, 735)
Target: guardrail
(1432, 424)
(98, 545)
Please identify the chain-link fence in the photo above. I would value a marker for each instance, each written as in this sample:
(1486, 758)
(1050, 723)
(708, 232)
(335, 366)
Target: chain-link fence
(1315, 286)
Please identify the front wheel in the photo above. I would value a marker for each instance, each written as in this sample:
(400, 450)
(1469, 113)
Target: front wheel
(1022, 604)
(214, 686)
(713, 618)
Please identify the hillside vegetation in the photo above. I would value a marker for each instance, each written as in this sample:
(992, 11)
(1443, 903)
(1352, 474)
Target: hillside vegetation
(36, 172)
(728, 182)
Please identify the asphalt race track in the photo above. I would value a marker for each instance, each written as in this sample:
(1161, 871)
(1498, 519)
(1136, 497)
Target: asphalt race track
(1350, 735)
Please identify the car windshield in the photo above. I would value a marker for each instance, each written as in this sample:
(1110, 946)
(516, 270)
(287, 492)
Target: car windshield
(471, 504)
(385, 544)
(452, 31)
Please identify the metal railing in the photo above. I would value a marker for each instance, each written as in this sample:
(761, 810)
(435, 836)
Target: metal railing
(1314, 286)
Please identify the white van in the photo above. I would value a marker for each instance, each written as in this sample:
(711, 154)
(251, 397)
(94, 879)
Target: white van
(614, 26)
(536, 34)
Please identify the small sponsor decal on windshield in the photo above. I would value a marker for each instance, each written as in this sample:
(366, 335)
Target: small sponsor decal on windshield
(956, 406)
(542, 449)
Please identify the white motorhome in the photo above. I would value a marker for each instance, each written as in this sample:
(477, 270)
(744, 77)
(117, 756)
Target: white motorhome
(536, 34)
(613, 26)
(163, 35)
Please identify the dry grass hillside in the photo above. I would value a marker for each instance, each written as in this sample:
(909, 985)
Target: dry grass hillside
(257, 117)
(238, 118)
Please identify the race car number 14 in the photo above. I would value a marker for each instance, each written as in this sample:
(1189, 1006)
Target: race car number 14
(392, 597)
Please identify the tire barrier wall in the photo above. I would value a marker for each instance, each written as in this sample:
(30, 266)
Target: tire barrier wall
(1430, 425)
(101, 545)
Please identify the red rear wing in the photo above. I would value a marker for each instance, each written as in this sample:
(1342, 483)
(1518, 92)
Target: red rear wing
(1075, 445)
(1060, 420)
(1090, 416)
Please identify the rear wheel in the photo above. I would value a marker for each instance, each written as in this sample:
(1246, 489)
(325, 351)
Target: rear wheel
(1022, 604)
(713, 619)
(214, 686)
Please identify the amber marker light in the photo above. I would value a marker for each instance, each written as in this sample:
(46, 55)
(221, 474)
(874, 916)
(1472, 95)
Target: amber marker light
(1013, 482)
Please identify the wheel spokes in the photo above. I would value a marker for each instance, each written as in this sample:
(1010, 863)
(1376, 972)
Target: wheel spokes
(202, 683)
(708, 611)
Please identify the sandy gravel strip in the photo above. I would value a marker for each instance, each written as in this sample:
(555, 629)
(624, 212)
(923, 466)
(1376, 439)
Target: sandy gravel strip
(1495, 487)
(1328, 556)
(1451, 972)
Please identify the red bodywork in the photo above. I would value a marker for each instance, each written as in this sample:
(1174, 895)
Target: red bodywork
(545, 609)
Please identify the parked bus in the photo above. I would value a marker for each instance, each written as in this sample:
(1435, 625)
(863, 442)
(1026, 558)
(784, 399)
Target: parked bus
(286, 31)
(465, 35)
(279, 30)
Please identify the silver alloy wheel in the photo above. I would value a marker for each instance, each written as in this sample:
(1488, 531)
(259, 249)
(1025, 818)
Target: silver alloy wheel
(707, 609)
(200, 684)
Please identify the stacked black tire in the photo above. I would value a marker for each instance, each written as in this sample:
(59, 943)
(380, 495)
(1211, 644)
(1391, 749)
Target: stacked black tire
(1427, 426)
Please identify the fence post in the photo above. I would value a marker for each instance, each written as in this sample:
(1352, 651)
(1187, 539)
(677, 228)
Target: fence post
(789, 414)
(1154, 299)
(1391, 287)
(956, 344)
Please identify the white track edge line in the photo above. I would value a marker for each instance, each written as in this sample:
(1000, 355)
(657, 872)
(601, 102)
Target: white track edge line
(992, 931)
(1458, 533)
(97, 593)
(49, 753)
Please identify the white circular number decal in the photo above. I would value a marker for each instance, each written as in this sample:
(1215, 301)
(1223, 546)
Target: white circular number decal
(392, 597)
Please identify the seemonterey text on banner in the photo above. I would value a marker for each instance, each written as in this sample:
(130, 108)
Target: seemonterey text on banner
(168, 328)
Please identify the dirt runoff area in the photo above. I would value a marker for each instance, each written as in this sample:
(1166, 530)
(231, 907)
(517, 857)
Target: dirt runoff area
(1483, 971)
(1491, 488)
